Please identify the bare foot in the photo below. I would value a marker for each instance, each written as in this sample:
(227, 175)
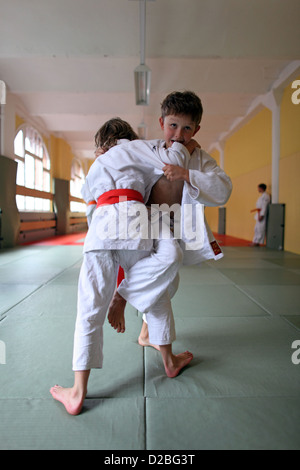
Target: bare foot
(116, 315)
(72, 401)
(145, 342)
(178, 362)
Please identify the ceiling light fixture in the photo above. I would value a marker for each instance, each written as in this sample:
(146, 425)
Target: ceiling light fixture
(142, 73)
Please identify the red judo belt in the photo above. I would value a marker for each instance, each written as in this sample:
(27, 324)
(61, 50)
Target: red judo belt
(119, 195)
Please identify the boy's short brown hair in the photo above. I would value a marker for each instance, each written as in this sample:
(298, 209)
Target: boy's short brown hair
(113, 130)
(186, 102)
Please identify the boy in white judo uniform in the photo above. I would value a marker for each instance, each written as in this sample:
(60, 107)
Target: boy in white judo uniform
(262, 204)
(112, 240)
(202, 182)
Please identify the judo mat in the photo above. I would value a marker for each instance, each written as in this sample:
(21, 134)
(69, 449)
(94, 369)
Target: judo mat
(239, 316)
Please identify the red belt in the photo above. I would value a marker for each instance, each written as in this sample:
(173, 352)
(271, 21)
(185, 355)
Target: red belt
(119, 195)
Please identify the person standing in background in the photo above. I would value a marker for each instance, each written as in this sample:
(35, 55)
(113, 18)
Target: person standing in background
(262, 204)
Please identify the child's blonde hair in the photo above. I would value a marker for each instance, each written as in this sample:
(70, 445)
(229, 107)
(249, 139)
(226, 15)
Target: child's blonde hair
(113, 130)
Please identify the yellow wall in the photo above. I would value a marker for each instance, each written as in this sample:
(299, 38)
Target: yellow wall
(248, 156)
(212, 213)
(289, 189)
(248, 161)
(61, 158)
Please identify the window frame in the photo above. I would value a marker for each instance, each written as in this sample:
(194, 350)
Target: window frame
(77, 180)
(34, 195)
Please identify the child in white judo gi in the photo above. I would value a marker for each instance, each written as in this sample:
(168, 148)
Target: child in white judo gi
(262, 204)
(107, 137)
(123, 172)
(202, 182)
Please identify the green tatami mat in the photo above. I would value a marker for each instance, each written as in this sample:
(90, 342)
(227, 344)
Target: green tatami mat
(196, 300)
(49, 300)
(261, 276)
(39, 355)
(288, 263)
(240, 263)
(223, 424)
(41, 266)
(44, 425)
(203, 274)
(9, 255)
(293, 320)
(232, 357)
(239, 317)
(11, 295)
(278, 300)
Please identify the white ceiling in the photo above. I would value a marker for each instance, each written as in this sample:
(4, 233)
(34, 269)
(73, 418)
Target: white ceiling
(71, 62)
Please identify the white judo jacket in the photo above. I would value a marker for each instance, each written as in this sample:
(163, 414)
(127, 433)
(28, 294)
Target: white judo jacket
(138, 165)
(133, 165)
(262, 204)
(210, 186)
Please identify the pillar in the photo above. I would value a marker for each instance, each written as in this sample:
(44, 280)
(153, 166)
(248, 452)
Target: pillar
(10, 219)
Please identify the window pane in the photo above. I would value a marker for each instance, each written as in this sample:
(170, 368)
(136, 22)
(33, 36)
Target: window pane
(29, 171)
(20, 173)
(38, 204)
(29, 203)
(34, 171)
(46, 177)
(77, 206)
(46, 205)
(29, 145)
(19, 144)
(40, 149)
(20, 200)
(46, 161)
(38, 175)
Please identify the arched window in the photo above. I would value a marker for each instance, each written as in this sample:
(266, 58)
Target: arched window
(33, 169)
(77, 180)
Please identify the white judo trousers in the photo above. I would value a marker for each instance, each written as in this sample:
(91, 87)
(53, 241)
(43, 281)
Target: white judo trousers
(260, 232)
(260, 227)
(146, 287)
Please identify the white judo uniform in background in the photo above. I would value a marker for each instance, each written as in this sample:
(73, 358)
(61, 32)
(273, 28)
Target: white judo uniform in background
(150, 266)
(262, 204)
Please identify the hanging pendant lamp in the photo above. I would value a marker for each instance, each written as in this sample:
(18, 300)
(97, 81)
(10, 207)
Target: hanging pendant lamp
(142, 73)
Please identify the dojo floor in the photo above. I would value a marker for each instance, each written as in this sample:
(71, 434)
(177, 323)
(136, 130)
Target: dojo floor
(239, 316)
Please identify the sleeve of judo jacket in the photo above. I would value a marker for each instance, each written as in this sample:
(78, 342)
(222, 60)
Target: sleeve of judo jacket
(86, 194)
(155, 153)
(178, 155)
(209, 184)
